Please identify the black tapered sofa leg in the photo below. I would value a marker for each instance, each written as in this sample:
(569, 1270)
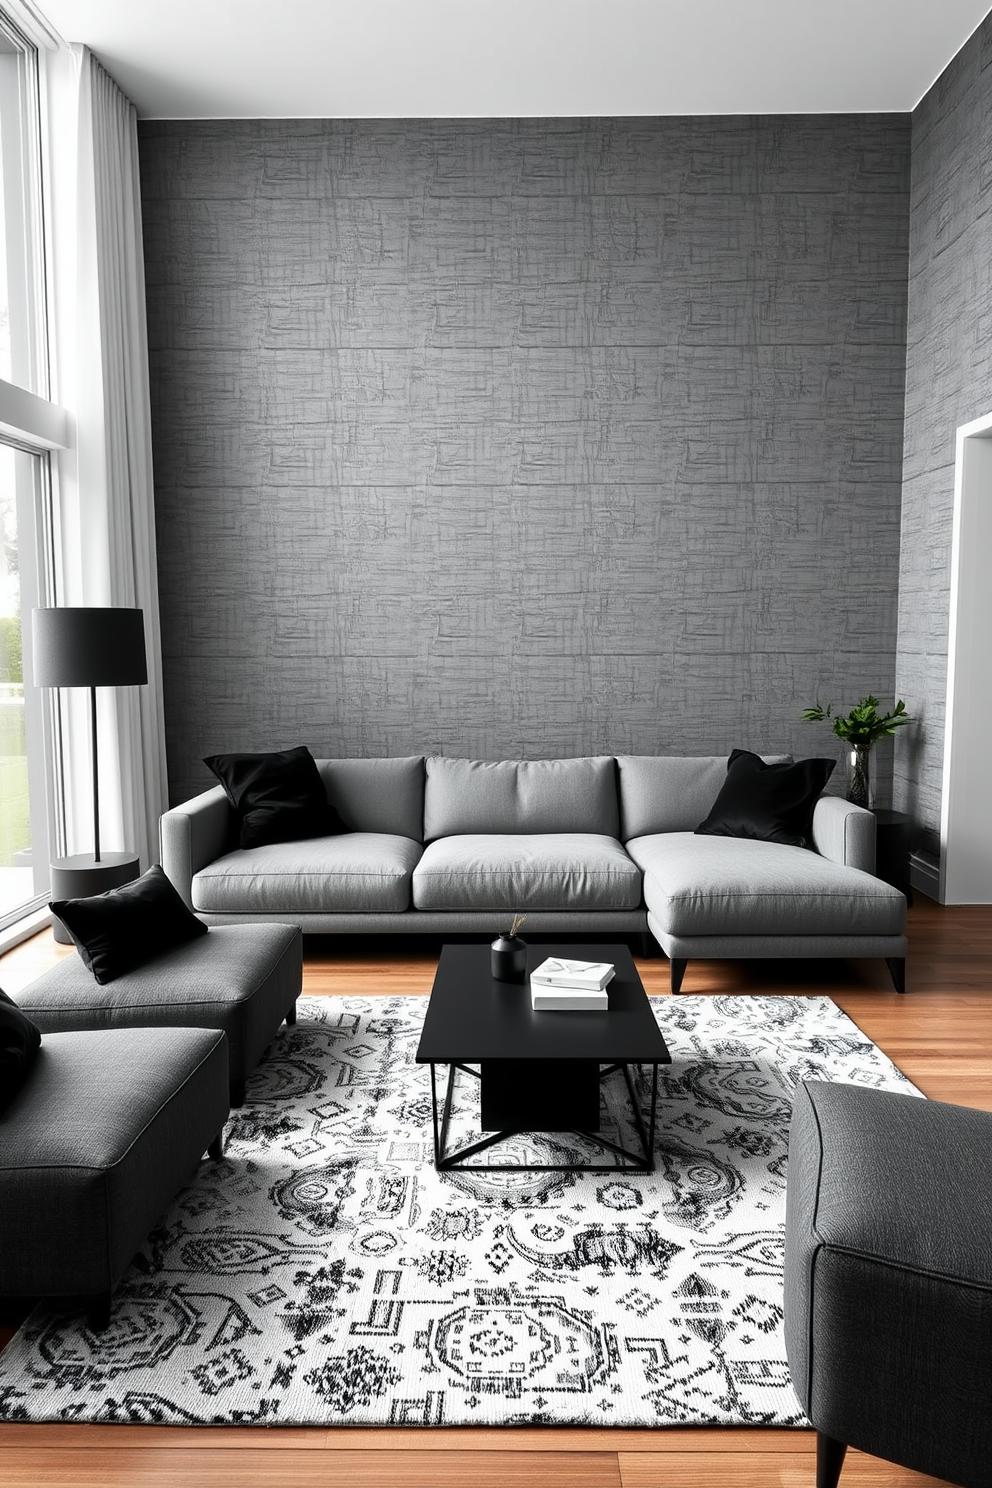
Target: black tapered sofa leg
(678, 966)
(829, 1460)
(897, 971)
(98, 1312)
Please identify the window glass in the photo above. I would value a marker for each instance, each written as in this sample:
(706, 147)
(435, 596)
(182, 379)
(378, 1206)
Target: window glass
(23, 834)
(26, 777)
(22, 360)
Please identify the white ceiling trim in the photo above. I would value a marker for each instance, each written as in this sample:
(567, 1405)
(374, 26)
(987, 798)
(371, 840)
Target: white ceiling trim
(518, 58)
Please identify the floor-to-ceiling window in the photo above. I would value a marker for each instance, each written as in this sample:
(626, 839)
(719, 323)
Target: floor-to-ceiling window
(26, 754)
(23, 778)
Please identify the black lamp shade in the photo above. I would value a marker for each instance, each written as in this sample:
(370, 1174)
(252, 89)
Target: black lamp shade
(89, 647)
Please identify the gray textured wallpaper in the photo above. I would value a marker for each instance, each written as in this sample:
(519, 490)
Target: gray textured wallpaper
(948, 383)
(524, 438)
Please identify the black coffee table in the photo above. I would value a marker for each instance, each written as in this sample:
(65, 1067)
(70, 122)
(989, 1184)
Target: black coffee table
(538, 1072)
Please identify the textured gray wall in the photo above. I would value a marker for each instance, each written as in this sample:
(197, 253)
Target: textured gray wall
(948, 383)
(524, 437)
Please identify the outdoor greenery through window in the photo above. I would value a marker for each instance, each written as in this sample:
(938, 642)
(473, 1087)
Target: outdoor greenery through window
(15, 810)
(19, 884)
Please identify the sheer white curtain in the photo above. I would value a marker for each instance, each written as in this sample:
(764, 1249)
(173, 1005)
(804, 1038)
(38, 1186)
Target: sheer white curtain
(105, 539)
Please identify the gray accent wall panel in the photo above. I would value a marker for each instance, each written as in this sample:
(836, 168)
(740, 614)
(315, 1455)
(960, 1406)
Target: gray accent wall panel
(524, 438)
(948, 383)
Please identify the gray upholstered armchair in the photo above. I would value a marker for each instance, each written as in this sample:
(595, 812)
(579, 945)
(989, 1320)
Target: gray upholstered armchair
(888, 1279)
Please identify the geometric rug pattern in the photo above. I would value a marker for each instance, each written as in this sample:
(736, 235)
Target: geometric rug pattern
(323, 1273)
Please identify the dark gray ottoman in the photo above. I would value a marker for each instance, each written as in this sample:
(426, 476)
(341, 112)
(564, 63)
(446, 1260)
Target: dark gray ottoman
(94, 1146)
(244, 979)
(888, 1279)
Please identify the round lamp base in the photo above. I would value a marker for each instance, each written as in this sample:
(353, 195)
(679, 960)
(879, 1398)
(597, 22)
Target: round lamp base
(79, 877)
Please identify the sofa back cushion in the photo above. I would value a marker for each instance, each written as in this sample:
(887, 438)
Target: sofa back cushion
(377, 795)
(670, 793)
(520, 796)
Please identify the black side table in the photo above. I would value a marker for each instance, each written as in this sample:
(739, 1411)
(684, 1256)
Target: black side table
(892, 850)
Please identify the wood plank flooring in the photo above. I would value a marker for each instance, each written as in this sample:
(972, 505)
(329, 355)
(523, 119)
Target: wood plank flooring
(939, 1033)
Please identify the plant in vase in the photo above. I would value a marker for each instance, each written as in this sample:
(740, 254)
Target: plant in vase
(508, 954)
(861, 729)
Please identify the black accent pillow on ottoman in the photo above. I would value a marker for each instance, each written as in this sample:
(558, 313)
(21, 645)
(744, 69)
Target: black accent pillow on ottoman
(770, 803)
(130, 926)
(279, 796)
(20, 1041)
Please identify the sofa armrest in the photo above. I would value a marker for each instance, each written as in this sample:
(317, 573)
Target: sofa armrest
(844, 833)
(193, 835)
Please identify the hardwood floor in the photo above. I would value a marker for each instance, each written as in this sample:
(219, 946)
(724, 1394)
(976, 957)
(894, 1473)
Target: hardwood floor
(939, 1033)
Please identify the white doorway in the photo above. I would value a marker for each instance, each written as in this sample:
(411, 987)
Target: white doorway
(966, 798)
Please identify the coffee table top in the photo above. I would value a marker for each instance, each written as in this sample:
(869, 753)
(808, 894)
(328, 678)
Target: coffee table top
(471, 1016)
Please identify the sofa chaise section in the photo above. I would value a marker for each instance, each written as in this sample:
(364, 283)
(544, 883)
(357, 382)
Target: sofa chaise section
(720, 898)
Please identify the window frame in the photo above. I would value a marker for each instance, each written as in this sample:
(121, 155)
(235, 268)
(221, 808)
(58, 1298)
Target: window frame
(33, 425)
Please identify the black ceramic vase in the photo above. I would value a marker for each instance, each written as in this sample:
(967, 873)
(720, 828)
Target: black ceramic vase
(509, 958)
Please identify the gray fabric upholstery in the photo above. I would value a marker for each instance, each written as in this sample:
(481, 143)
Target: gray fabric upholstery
(243, 979)
(363, 882)
(194, 834)
(844, 833)
(888, 1276)
(520, 796)
(735, 886)
(95, 1145)
(370, 795)
(551, 871)
(455, 922)
(377, 795)
(774, 947)
(358, 872)
(670, 793)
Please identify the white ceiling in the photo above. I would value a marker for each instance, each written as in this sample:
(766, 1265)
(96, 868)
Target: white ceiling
(179, 59)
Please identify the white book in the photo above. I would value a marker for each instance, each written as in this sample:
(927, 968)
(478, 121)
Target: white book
(567, 1000)
(585, 976)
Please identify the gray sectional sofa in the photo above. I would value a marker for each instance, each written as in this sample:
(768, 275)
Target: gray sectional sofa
(600, 845)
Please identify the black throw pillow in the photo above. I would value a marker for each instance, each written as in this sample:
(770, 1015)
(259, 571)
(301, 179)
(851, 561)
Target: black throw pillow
(279, 797)
(772, 803)
(129, 926)
(20, 1040)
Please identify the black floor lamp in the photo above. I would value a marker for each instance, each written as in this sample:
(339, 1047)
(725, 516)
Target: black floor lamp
(89, 647)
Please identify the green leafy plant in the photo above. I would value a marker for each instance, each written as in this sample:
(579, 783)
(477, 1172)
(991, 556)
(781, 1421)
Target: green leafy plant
(864, 724)
(11, 669)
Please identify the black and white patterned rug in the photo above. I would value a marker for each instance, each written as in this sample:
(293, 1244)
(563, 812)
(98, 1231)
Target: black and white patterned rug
(324, 1273)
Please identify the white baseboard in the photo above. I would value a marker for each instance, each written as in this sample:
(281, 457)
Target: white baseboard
(924, 874)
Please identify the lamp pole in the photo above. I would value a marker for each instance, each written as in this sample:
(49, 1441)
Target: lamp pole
(96, 778)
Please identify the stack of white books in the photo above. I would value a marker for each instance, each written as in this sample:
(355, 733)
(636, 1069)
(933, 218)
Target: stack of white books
(564, 986)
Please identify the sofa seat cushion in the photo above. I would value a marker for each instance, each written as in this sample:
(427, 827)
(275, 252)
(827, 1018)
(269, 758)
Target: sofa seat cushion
(552, 871)
(356, 872)
(735, 886)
